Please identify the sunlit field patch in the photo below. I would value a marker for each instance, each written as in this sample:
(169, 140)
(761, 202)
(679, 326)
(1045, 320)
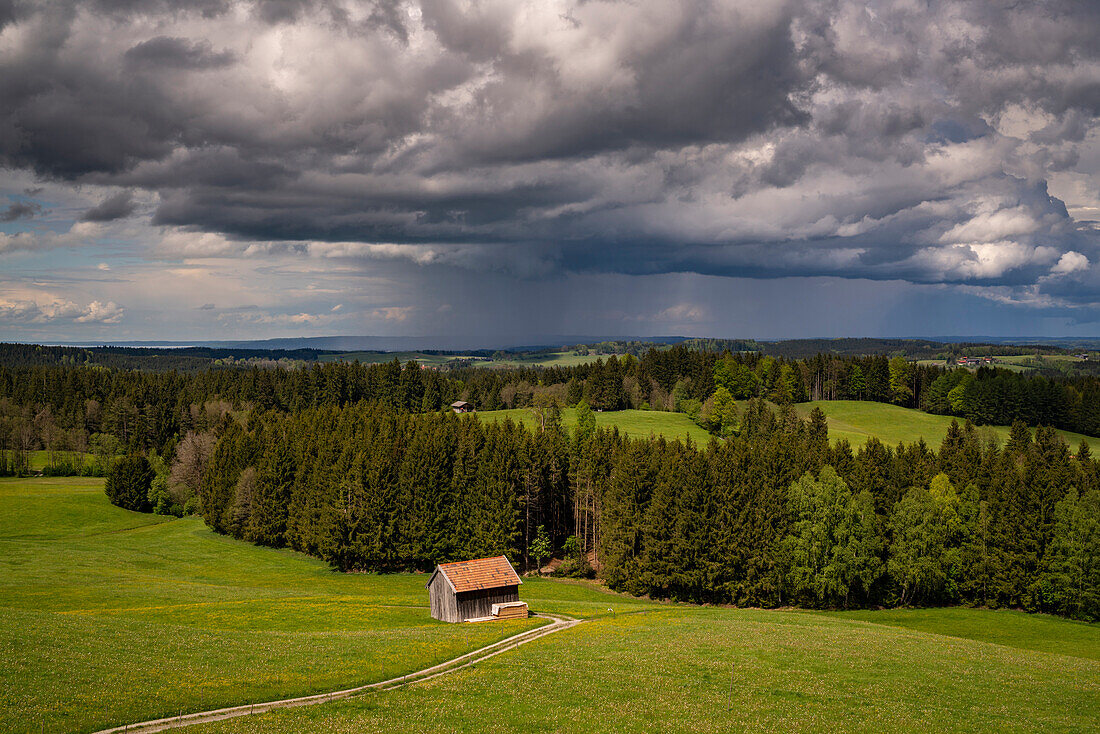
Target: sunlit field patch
(324, 614)
(858, 420)
(109, 617)
(715, 670)
(1041, 632)
(635, 423)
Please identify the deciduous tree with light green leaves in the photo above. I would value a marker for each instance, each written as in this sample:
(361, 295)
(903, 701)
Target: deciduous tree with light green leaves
(956, 397)
(857, 563)
(735, 377)
(541, 548)
(833, 544)
(927, 532)
(725, 412)
(1070, 583)
(546, 411)
(901, 375)
(789, 388)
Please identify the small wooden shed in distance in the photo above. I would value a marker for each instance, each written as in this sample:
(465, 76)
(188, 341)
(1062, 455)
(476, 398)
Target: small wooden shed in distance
(461, 406)
(484, 588)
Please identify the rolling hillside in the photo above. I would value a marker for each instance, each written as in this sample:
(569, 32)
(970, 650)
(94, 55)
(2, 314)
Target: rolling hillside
(858, 420)
(854, 420)
(513, 359)
(676, 669)
(108, 617)
(636, 423)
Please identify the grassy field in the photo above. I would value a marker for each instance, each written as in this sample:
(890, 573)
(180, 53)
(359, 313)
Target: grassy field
(548, 359)
(859, 420)
(1027, 363)
(1040, 632)
(109, 616)
(432, 360)
(715, 670)
(1018, 362)
(37, 460)
(636, 423)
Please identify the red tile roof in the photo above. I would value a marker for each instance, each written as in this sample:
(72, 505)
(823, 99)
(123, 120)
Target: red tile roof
(481, 573)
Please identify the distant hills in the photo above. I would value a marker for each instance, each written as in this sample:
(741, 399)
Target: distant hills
(1062, 342)
(387, 343)
(196, 354)
(525, 343)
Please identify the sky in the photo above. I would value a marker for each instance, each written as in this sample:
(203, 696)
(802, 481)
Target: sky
(214, 169)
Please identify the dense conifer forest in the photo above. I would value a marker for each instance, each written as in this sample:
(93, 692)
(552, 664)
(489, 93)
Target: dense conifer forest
(775, 516)
(63, 404)
(365, 467)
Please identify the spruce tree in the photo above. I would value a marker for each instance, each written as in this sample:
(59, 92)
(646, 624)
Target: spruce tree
(128, 482)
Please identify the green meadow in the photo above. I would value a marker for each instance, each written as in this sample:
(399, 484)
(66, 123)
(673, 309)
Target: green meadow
(39, 460)
(1040, 632)
(109, 616)
(858, 420)
(547, 359)
(432, 360)
(855, 420)
(1019, 362)
(636, 423)
(674, 669)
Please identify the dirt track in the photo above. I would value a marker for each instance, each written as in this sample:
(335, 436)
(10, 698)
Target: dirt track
(201, 717)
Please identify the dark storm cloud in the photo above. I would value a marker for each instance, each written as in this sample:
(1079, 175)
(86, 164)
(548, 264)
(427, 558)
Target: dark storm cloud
(20, 210)
(124, 9)
(8, 12)
(876, 140)
(207, 169)
(280, 11)
(116, 206)
(64, 117)
(700, 81)
(179, 53)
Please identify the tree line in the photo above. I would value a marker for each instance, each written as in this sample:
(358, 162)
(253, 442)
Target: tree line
(76, 408)
(774, 516)
(358, 465)
(182, 359)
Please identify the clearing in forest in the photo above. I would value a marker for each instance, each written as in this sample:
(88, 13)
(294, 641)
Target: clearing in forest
(634, 423)
(858, 420)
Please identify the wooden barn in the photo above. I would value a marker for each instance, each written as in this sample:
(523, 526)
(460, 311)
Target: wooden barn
(461, 406)
(481, 589)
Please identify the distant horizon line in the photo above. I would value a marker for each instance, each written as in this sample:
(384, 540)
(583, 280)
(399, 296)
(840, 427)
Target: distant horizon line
(464, 342)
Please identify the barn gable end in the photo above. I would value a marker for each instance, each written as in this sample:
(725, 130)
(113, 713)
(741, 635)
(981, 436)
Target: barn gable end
(468, 589)
(441, 595)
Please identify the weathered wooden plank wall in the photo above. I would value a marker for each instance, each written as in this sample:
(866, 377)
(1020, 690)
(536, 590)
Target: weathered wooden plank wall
(480, 603)
(443, 602)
